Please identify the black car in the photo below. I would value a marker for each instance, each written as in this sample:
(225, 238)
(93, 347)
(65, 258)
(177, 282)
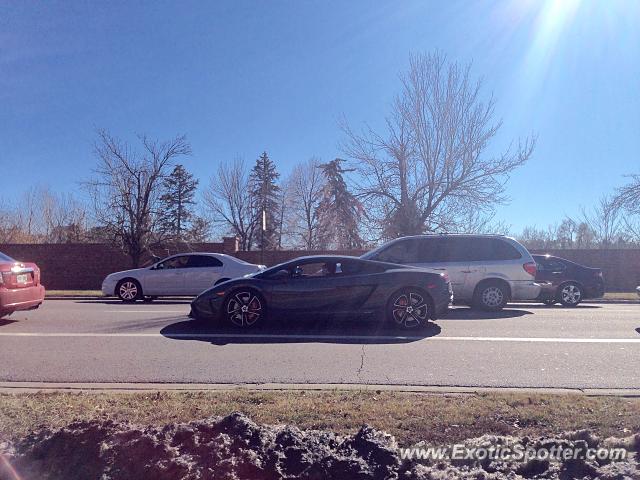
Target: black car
(329, 285)
(567, 282)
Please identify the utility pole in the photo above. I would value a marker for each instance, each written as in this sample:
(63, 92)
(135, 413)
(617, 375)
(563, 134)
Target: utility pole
(264, 227)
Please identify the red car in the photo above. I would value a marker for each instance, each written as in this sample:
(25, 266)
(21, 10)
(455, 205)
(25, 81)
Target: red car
(20, 287)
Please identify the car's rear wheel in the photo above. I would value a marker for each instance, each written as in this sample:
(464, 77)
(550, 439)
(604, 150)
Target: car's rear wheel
(129, 290)
(570, 294)
(491, 296)
(409, 308)
(5, 314)
(244, 308)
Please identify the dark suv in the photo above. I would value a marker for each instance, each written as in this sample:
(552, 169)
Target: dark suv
(567, 282)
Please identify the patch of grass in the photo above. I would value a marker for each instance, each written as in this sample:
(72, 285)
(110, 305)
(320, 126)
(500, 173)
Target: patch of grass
(74, 293)
(411, 417)
(621, 296)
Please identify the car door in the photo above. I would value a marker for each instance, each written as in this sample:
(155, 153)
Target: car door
(450, 253)
(309, 289)
(550, 271)
(201, 273)
(354, 284)
(166, 277)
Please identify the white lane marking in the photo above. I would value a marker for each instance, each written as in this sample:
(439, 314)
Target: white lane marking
(145, 311)
(323, 337)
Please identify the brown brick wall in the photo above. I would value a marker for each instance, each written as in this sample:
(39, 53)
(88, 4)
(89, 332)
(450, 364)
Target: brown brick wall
(70, 266)
(84, 266)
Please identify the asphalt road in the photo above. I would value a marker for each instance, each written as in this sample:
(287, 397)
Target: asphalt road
(592, 346)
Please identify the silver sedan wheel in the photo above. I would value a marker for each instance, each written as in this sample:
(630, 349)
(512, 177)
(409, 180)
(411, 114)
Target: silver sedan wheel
(492, 297)
(244, 309)
(128, 291)
(570, 294)
(410, 310)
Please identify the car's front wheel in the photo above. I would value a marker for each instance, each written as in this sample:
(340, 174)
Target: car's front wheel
(570, 294)
(244, 308)
(409, 308)
(129, 290)
(491, 296)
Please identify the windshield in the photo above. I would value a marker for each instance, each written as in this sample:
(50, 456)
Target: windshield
(6, 258)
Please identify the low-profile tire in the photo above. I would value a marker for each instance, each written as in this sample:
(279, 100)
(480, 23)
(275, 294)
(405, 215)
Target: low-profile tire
(409, 308)
(570, 294)
(491, 296)
(129, 290)
(244, 308)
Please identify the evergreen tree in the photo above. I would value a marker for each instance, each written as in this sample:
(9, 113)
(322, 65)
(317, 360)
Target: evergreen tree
(176, 203)
(265, 195)
(339, 212)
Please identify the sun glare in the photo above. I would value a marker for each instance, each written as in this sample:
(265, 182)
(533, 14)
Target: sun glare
(554, 17)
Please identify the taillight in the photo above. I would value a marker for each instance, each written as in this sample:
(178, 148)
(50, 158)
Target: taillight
(530, 268)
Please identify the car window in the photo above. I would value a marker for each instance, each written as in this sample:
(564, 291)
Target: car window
(550, 265)
(174, 262)
(315, 269)
(463, 249)
(485, 249)
(402, 251)
(203, 261)
(503, 250)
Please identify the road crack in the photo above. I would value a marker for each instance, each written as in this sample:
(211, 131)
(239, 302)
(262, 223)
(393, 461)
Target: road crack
(362, 354)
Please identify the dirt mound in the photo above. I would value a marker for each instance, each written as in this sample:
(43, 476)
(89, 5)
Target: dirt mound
(234, 447)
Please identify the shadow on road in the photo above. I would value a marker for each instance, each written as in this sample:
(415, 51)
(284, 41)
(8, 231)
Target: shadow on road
(6, 321)
(471, 314)
(290, 331)
(553, 307)
(638, 330)
(136, 304)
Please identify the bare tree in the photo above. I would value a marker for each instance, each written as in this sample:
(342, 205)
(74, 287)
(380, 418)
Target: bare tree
(43, 216)
(605, 221)
(127, 188)
(430, 168)
(628, 196)
(229, 200)
(304, 187)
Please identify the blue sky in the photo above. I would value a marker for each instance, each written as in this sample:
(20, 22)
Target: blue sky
(240, 77)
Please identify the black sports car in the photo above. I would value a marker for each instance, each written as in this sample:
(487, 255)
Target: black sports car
(334, 285)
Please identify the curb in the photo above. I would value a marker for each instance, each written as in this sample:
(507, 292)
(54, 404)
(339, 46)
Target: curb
(31, 387)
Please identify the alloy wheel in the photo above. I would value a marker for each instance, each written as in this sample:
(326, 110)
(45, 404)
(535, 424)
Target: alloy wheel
(128, 291)
(492, 297)
(570, 294)
(410, 310)
(244, 309)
